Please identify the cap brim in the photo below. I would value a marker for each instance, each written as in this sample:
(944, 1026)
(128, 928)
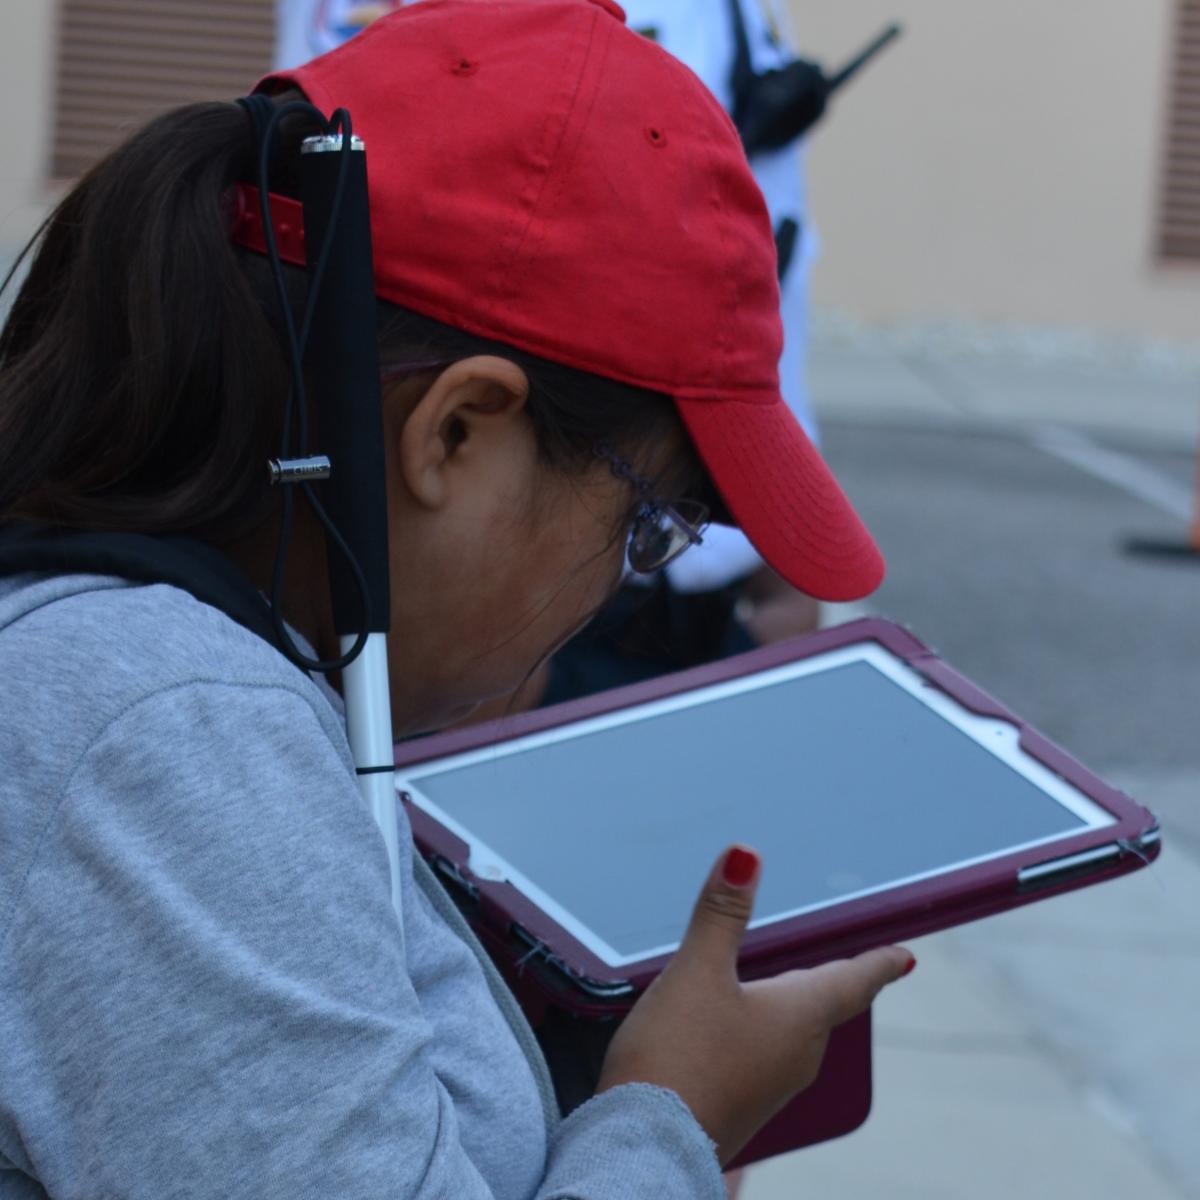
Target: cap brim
(783, 496)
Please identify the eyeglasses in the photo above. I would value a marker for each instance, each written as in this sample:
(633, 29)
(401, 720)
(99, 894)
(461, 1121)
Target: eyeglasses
(661, 532)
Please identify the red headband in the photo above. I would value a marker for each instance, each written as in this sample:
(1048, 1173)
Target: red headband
(287, 219)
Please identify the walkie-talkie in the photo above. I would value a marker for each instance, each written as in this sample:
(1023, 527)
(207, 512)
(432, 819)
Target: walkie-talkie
(773, 108)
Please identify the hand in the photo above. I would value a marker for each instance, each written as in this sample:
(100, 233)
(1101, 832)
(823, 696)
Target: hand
(771, 609)
(737, 1052)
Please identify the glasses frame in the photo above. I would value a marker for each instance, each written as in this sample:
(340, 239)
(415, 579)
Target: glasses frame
(652, 507)
(404, 370)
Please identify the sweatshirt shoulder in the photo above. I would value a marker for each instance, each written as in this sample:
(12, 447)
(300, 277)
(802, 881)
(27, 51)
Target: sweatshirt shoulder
(122, 633)
(77, 651)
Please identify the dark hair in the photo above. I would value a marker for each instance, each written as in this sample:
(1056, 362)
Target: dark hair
(142, 375)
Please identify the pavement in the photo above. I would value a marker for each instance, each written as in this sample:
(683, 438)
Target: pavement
(1053, 1051)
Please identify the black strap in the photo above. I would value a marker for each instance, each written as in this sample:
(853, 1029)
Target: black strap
(182, 562)
(741, 75)
(787, 237)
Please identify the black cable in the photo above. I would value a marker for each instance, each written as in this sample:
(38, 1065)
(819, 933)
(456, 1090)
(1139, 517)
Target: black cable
(296, 406)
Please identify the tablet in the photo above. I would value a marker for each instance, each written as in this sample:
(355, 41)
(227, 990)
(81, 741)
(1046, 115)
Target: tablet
(888, 795)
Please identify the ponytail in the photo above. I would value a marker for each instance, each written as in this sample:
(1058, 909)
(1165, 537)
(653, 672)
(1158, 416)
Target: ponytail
(141, 384)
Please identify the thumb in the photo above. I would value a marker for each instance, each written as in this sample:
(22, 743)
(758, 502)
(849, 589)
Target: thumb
(722, 911)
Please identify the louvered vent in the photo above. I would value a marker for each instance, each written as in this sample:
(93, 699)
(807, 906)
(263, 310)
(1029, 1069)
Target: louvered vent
(1179, 218)
(122, 61)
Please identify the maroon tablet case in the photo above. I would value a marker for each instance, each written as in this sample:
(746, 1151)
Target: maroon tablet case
(548, 966)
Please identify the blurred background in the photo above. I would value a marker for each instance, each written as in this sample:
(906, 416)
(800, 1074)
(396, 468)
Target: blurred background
(1005, 361)
(1019, 164)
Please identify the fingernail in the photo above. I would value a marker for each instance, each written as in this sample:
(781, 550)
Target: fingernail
(912, 962)
(739, 868)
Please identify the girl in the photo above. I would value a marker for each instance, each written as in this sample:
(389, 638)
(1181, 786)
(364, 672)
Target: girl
(204, 988)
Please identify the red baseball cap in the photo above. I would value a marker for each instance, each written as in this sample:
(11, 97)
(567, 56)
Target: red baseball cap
(542, 175)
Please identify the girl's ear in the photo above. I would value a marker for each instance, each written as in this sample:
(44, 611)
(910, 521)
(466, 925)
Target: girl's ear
(471, 403)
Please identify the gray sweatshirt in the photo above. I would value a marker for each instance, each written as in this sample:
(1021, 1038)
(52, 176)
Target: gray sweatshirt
(204, 990)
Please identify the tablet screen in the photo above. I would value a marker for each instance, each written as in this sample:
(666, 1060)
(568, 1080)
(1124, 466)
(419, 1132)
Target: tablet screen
(847, 771)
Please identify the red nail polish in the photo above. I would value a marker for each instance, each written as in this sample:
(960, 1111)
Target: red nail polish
(740, 865)
(912, 962)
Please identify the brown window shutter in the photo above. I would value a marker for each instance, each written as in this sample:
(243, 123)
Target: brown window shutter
(1179, 215)
(122, 61)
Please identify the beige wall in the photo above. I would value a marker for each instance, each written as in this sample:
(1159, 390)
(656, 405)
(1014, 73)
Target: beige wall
(26, 104)
(998, 164)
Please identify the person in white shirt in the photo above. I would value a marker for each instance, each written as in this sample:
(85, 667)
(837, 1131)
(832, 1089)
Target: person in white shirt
(306, 28)
(705, 36)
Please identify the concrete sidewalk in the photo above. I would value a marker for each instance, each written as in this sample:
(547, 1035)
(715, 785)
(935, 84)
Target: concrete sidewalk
(978, 1093)
(878, 378)
(1053, 1052)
